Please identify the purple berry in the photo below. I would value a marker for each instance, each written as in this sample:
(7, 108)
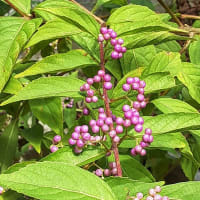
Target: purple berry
(120, 41)
(101, 73)
(141, 90)
(136, 104)
(140, 97)
(53, 148)
(90, 93)
(145, 138)
(72, 142)
(106, 36)
(120, 55)
(86, 136)
(136, 114)
(150, 138)
(57, 138)
(119, 121)
(105, 128)
(81, 88)
(107, 85)
(80, 143)
(126, 108)
(100, 122)
(127, 123)
(119, 129)
(135, 86)
(134, 120)
(133, 153)
(112, 165)
(100, 38)
(86, 86)
(113, 35)
(108, 121)
(112, 133)
(136, 80)
(123, 49)
(143, 144)
(88, 100)
(143, 152)
(138, 148)
(95, 129)
(107, 172)
(140, 120)
(148, 131)
(118, 48)
(97, 79)
(126, 87)
(92, 122)
(75, 136)
(86, 111)
(143, 104)
(104, 30)
(107, 78)
(84, 129)
(128, 114)
(101, 110)
(102, 116)
(114, 55)
(90, 81)
(114, 171)
(142, 84)
(138, 128)
(116, 139)
(94, 99)
(114, 118)
(129, 80)
(113, 42)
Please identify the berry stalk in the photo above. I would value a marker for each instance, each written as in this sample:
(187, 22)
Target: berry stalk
(108, 111)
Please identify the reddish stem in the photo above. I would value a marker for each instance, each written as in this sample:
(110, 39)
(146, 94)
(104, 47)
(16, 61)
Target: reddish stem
(108, 111)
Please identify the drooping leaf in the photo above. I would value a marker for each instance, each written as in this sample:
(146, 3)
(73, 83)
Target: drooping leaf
(50, 180)
(190, 77)
(14, 34)
(168, 105)
(59, 63)
(8, 143)
(122, 186)
(134, 169)
(48, 87)
(67, 156)
(69, 12)
(193, 52)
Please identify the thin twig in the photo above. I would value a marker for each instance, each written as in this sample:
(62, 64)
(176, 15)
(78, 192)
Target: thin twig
(176, 19)
(17, 10)
(186, 45)
(99, 20)
(184, 16)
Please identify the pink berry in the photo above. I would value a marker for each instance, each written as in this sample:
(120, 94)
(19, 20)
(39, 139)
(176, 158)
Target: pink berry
(102, 116)
(139, 195)
(99, 172)
(72, 142)
(97, 79)
(134, 120)
(88, 100)
(148, 131)
(114, 171)
(119, 121)
(143, 104)
(138, 148)
(53, 148)
(86, 136)
(81, 88)
(101, 110)
(90, 93)
(143, 152)
(113, 35)
(57, 138)
(106, 36)
(98, 138)
(104, 30)
(133, 152)
(136, 114)
(107, 85)
(92, 122)
(107, 78)
(95, 129)
(136, 104)
(90, 81)
(112, 165)
(84, 128)
(80, 143)
(126, 108)
(129, 80)
(157, 197)
(140, 97)
(120, 55)
(141, 90)
(94, 99)
(123, 49)
(118, 48)
(107, 172)
(108, 121)
(116, 139)
(126, 87)
(150, 138)
(86, 111)
(100, 122)
(165, 198)
(120, 41)
(138, 128)
(145, 138)
(101, 73)
(110, 30)
(127, 123)
(149, 198)
(113, 42)
(128, 114)
(75, 136)
(119, 129)
(135, 86)
(140, 120)
(157, 189)
(105, 128)
(78, 150)
(142, 84)
(152, 192)
(100, 38)
(114, 55)
(86, 86)
(136, 80)
(112, 133)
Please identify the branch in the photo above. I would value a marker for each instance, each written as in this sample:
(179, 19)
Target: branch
(176, 19)
(18, 10)
(183, 16)
(99, 20)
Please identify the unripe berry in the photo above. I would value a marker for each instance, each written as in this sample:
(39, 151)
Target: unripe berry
(115, 55)
(72, 142)
(75, 135)
(138, 128)
(107, 172)
(104, 30)
(126, 87)
(57, 138)
(53, 148)
(107, 78)
(107, 85)
(97, 79)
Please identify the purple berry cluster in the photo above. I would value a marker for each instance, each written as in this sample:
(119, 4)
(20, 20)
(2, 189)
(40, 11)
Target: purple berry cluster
(152, 195)
(101, 76)
(69, 104)
(1, 190)
(109, 34)
(112, 171)
(56, 140)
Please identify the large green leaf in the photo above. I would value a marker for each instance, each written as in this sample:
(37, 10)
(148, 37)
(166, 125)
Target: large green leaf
(59, 63)
(140, 57)
(22, 5)
(14, 34)
(49, 111)
(13, 86)
(190, 77)
(122, 186)
(8, 143)
(69, 12)
(48, 87)
(194, 52)
(168, 105)
(154, 83)
(53, 29)
(54, 180)
(183, 191)
(164, 62)
(134, 169)
(67, 156)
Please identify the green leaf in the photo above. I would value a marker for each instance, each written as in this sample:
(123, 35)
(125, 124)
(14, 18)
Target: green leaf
(135, 170)
(121, 186)
(168, 105)
(67, 156)
(114, 67)
(183, 191)
(70, 116)
(50, 180)
(190, 77)
(69, 12)
(115, 2)
(49, 111)
(8, 143)
(11, 195)
(22, 5)
(14, 34)
(164, 62)
(13, 86)
(147, 3)
(34, 136)
(170, 46)
(154, 83)
(48, 87)
(59, 63)
(140, 57)
(53, 29)
(193, 52)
